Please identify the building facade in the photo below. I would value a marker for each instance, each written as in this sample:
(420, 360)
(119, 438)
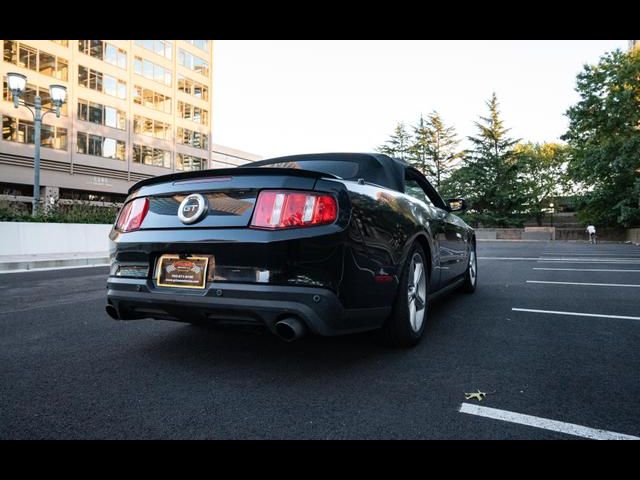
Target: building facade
(135, 109)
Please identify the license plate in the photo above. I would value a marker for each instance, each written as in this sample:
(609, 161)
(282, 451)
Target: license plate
(182, 272)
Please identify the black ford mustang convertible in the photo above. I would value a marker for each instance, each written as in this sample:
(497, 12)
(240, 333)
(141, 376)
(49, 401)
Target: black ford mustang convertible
(321, 243)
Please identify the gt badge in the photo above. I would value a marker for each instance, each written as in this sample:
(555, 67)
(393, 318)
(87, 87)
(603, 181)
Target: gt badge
(192, 208)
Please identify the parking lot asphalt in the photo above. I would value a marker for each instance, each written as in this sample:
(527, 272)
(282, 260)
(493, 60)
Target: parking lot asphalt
(566, 360)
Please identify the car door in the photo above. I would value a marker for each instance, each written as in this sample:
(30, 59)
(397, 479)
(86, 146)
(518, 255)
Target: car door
(450, 238)
(457, 243)
(415, 188)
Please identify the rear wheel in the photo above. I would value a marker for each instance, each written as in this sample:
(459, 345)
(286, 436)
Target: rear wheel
(406, 324)
(471, 275)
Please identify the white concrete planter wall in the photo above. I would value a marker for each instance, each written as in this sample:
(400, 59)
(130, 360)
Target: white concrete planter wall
(26, 238)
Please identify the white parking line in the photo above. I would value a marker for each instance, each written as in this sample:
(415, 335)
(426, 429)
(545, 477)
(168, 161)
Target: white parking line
(590, 260)
(585, 283)
(548, 254)
(544, 423)
(574, 314)
(586, 269)
(531, 259)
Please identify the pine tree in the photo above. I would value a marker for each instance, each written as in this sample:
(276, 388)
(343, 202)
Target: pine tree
(443, 147)
(420, 149)
(399, 143)
(488, 177)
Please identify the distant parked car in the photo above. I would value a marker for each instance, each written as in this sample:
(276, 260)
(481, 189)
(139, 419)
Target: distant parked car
(322, 243)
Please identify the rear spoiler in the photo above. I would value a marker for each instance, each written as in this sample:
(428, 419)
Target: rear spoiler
(217, 172)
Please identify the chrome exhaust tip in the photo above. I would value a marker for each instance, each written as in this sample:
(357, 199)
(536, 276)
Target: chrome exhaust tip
(112, 312)
(290, 329)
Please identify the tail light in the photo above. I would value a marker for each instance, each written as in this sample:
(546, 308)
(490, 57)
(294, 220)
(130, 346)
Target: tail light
(132, 215)
(287, 209)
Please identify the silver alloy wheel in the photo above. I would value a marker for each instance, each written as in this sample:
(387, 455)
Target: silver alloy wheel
(417, 292)
(473, 266)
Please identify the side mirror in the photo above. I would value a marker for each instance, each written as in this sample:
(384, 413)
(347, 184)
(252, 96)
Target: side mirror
(457, 204)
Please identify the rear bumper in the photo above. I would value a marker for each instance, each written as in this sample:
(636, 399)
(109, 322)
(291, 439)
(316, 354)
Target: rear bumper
(319, 308)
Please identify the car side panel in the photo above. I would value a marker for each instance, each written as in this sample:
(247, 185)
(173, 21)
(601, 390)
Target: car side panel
(384, 225)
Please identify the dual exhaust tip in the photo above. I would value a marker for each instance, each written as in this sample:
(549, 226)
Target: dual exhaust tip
(288, 329)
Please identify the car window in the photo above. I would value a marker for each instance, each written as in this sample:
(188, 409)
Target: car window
(413, 188)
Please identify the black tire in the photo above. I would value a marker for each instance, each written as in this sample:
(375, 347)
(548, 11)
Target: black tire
(471, 276)
(398, 330)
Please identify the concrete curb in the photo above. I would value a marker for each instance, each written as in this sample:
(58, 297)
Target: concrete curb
(52, 264)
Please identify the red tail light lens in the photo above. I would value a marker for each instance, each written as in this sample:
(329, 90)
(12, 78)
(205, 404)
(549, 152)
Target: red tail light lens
(132, 215)
(287, 209)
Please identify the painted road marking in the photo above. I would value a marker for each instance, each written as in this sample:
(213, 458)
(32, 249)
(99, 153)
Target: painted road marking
(586, 269)
(633, 255)
(585, 283)
(623, 261)
(533, 259)
(575, 314)
(544, 423)
(589, 260)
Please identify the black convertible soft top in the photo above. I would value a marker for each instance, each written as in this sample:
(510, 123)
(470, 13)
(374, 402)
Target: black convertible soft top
(374, 168)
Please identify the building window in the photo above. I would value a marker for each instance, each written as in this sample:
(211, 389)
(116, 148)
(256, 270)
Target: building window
(153, 128)
(151, 156)
(201, 44)
(101, 114)
(151, 99)
(36, 60)
(71, 194)
(191, 87)
(100, 82)
(104, 51)
(192, 62)
(189, 163)
(159, 47)
(29, 96)
(152, 71)
(23, 131)
(193, 113)
(101, 146)
(193, 138)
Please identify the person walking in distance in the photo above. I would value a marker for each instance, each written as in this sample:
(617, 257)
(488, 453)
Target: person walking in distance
(591, 230)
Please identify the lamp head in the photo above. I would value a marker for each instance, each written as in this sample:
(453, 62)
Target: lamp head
(58, 95)
(17, 84)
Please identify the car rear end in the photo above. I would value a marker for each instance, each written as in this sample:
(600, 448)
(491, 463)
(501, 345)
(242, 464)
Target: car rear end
(252, 246)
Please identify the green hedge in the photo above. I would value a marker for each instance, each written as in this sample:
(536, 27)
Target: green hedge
(77, 213)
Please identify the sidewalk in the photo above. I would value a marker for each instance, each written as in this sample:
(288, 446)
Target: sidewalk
(25, 263)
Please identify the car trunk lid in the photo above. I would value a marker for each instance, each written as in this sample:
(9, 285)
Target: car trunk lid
(230, 194)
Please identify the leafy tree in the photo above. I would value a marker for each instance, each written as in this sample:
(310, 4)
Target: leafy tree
(489, 174)
(542, 175)
(399, 144)
(604, 136)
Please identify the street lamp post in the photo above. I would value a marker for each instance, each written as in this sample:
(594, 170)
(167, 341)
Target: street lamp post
(17, 85)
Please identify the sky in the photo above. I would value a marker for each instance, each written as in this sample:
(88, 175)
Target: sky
(275, 98)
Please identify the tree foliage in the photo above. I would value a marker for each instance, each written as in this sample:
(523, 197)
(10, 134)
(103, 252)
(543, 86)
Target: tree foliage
(542, 176)
(399, 143)
(76, 213)
(431, 147)
(604, 137)
(488, 177)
